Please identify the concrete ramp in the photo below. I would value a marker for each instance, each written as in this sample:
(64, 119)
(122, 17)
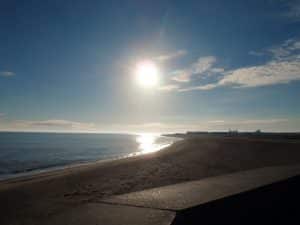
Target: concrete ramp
(261, 196)
(189, 194)
(106, 214)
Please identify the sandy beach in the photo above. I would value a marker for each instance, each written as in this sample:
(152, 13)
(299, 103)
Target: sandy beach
(36, 198)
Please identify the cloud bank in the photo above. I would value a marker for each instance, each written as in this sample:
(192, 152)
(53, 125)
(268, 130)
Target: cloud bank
(270, 124)
(61, 124)
(283, 67)
(218, 124)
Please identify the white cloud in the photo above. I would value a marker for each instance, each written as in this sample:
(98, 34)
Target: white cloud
(268, 74)
(271, 73)
(284, 67)
(292, 45)
(203, 65)
(7, 74)
(217, 70)
(169, 87)
(295, 45)
(181, 76)
(200, 87)
(170, 56)
(279, 52)
(289, 49)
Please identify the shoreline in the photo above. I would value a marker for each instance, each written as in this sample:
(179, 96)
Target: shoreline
(41, 173)
(38, 197)
(73, 165)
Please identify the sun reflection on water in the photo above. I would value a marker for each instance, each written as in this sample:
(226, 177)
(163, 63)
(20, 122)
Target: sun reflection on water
(149, 143)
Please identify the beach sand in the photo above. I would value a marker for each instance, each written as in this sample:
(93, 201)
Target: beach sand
(36, 198)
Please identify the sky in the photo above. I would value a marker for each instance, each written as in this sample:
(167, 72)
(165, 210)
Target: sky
(69, 65)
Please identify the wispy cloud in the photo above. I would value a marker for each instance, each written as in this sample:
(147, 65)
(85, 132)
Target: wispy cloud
(283, 67)
(54, 124)
(200, 87)
(267, 74)
(169, 87)
(170, 56)
(256, 53)
(264, 121)
(250, 121)
(283, 51)
(288, 49)
(201, 66)
(7, 74)
(216, 121)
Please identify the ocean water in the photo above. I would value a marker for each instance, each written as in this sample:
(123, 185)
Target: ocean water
(27, 153)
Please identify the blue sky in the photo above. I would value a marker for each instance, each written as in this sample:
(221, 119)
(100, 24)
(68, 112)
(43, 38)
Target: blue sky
(68, 65)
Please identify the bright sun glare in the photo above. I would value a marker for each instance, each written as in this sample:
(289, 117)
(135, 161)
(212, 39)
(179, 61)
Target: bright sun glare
(147, 74)
(149, 143)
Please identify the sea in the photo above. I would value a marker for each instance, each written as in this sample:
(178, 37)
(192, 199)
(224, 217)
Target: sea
(24, 153)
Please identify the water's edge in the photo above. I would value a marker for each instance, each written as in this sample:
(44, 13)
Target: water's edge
(34, 173)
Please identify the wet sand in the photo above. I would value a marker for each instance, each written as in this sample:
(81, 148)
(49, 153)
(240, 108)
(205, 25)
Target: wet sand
(36, 198)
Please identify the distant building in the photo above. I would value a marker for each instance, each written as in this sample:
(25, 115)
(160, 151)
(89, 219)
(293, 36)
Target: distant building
(233, 132)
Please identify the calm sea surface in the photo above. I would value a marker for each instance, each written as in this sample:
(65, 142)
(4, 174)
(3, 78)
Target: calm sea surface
(25, 153)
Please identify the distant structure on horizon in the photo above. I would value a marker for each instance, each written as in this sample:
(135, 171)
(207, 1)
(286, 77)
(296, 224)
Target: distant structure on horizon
(235, 133)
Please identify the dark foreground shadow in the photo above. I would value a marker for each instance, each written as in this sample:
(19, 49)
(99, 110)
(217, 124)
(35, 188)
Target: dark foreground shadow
(278, 203)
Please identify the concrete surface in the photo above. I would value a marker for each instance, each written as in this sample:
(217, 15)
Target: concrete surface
(189, 194)
(184, 203)
(275, 204)
(106, 214)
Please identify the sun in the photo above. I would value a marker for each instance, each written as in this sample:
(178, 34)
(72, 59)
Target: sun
(147, 74)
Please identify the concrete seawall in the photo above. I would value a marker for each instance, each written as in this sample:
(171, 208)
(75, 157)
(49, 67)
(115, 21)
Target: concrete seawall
(261, 196)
